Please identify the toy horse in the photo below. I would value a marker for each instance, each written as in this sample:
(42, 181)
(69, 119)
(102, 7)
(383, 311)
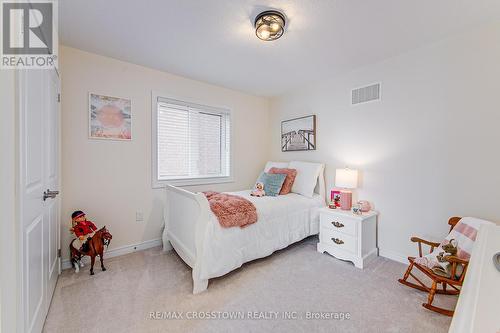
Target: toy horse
(101, 238)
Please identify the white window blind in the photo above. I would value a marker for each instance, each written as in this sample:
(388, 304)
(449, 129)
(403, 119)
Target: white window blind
(192, 141)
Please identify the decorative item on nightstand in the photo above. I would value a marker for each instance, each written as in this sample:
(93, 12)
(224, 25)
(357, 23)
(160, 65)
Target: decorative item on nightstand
(348, 236)
(365, 205)
(356, 209)
(334, 199)
(346, 179)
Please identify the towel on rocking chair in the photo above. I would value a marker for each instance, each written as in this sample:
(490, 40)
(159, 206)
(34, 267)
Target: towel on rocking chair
(461, 237)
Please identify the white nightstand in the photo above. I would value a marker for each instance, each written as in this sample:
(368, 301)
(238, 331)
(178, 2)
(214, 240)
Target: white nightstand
(348, 236)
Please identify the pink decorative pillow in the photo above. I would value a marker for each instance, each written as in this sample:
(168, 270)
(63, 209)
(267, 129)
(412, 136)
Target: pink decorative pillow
(290, 178)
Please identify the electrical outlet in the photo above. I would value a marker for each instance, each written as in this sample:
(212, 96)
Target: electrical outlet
(139, 217)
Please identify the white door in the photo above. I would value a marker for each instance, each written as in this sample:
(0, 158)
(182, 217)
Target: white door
(39, 172)
(52, 182)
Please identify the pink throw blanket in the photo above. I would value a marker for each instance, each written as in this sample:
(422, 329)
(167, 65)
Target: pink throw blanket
(464, 234)
(231, 210)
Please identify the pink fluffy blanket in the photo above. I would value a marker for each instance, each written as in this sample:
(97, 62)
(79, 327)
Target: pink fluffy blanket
(231, 210)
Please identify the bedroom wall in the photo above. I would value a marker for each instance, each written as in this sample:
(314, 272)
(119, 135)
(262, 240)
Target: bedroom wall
(427, 150)
(111, 180)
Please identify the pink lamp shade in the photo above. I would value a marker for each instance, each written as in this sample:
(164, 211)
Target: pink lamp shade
(346, 178)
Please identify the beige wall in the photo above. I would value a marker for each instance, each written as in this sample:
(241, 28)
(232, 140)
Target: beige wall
(111, 180)
(428, 150)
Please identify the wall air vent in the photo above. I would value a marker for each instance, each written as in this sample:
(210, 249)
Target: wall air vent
(365, 94)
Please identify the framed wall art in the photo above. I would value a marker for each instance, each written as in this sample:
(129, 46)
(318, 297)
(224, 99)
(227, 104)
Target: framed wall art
(298, 134)
(109, 117)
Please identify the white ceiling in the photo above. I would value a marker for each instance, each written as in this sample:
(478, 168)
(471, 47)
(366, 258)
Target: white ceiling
(214, 40)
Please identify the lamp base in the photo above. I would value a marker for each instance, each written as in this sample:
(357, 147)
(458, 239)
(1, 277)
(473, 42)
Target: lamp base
(345, 200)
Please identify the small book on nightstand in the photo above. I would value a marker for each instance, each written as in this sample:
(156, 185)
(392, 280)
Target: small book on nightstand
(348, 236)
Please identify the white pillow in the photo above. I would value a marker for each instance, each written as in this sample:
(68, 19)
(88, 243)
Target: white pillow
(307, 175)
(279, 165)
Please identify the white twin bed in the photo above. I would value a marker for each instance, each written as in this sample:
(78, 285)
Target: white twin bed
(212, 251)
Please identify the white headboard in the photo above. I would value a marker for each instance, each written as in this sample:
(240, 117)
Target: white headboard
(320, 185)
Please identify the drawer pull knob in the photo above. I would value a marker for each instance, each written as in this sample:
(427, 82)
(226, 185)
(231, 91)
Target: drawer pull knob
(337, 241)
(337, 224)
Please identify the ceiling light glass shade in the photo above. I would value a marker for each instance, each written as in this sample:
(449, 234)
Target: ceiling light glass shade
(269, 25)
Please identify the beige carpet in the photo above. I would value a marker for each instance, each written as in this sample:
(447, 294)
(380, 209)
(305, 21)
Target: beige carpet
(294, 281)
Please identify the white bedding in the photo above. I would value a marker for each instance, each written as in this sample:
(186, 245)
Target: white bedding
(282, 220)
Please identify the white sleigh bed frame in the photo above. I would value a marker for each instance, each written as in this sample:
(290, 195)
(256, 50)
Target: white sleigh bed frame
(186, 220)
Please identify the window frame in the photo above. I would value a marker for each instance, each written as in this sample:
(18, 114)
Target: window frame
(160, 183)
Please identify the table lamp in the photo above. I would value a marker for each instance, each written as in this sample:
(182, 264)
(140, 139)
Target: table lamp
(346, 179)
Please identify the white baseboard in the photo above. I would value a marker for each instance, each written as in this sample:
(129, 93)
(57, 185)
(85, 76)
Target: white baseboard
(119, 251)
(389, 254)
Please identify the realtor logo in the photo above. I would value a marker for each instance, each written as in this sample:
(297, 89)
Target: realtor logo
(29, 34)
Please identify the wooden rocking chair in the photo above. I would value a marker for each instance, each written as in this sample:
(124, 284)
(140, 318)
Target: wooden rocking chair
(454, 281)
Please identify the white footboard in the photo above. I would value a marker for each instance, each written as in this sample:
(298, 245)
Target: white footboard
(186, 221)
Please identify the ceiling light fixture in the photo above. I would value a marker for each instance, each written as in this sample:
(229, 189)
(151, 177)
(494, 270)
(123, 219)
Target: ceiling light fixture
(269, 25)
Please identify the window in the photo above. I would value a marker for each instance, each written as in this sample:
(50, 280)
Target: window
(192, 143)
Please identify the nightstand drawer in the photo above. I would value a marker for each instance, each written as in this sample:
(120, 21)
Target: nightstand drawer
(338, 240)
(341, 224)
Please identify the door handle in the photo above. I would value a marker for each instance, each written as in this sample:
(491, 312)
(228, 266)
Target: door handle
(50, 194)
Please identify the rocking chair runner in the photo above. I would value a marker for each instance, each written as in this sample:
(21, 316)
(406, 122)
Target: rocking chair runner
(454, 281)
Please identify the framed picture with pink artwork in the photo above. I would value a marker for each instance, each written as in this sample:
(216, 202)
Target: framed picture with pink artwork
(110, 117)
(335, 197)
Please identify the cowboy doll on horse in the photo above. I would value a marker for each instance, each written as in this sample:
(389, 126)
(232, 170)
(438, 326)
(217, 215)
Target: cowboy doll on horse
(88, 242)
